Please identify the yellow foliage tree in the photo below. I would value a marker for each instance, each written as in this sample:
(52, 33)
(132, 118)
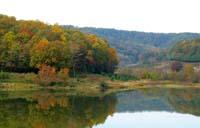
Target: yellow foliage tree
(188, 71)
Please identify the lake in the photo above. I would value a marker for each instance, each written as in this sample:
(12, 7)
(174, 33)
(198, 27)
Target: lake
(141, 108)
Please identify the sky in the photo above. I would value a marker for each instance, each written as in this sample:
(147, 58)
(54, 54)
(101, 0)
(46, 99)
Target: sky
(137, 15)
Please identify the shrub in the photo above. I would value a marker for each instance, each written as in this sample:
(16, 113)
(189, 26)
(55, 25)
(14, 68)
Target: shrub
(103, 86)
(4, 75)
(153, 75)
(176, 66)
(46, 75)
(122, 77)
(196, 77)
(180, 76)
(63, 75)
(188, 71)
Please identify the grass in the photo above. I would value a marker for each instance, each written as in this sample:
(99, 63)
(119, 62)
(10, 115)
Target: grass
(17, 77)
(91, 84)
(4, 75)
(18, 86)
(121, 77)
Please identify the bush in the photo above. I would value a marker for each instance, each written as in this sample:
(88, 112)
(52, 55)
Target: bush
(125, 77)
(176, 66)
(122, 77)
(180, 76)
(153, 75)
(103, 86)
(4, 75)
(196, 77)
(188, 71)
(63, 75)
(46, 75)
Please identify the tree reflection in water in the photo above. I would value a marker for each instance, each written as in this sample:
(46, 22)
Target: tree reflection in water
(181, 100)
(49, 110)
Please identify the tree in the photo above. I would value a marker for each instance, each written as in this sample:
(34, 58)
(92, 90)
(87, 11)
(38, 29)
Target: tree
(51, 53)
(6, 24)
(38, 51)
(188, 71)
(113, 59)
(9, 51)
(188, 51)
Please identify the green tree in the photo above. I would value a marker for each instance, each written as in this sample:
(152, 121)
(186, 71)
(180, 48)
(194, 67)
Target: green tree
(9, 51)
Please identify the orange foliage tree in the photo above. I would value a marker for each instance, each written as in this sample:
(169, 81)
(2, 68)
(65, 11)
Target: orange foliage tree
(46, 75)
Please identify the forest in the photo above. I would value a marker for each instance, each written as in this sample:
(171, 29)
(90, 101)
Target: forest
(26, 45)
(139, 47)
(188, 50)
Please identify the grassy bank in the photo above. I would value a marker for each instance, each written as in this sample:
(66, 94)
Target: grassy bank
(90, 84)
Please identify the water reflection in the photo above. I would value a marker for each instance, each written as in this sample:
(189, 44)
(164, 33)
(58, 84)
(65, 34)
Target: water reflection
(140, 108)
(49, 110)
(151, 120)
(156, 108)
(160, 99)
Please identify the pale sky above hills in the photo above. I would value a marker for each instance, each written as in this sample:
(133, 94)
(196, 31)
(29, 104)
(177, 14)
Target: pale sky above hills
(140, 15)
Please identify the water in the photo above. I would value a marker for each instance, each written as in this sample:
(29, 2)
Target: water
(142, 108)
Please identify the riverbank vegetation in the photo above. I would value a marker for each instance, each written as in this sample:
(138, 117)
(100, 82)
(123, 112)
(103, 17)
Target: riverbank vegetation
(171, 70)
(87, 84)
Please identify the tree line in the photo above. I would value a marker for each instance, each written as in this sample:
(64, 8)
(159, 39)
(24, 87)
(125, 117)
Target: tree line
(139, 47)
(26, 45)
(187, 50)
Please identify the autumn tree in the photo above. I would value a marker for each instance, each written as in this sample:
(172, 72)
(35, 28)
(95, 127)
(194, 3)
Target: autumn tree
(188, 71)
(51, 53)
(9, 51)
(6, 24)
(28, 44)
(46, 75)
(113, 59)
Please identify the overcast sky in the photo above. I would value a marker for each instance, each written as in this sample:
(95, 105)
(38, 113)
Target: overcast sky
(140, 15)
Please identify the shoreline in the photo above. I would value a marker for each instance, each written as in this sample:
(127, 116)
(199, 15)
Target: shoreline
(93, 87)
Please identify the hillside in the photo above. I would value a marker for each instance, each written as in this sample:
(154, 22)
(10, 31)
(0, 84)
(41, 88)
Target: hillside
(161, 40)
(188, 51)
(134, 47)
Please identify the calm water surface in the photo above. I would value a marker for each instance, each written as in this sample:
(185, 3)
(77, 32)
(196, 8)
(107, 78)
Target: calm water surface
(142, 108)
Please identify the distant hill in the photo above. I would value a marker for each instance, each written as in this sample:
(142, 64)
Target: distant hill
(134, 47)
(161, 40)
(186, 51)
